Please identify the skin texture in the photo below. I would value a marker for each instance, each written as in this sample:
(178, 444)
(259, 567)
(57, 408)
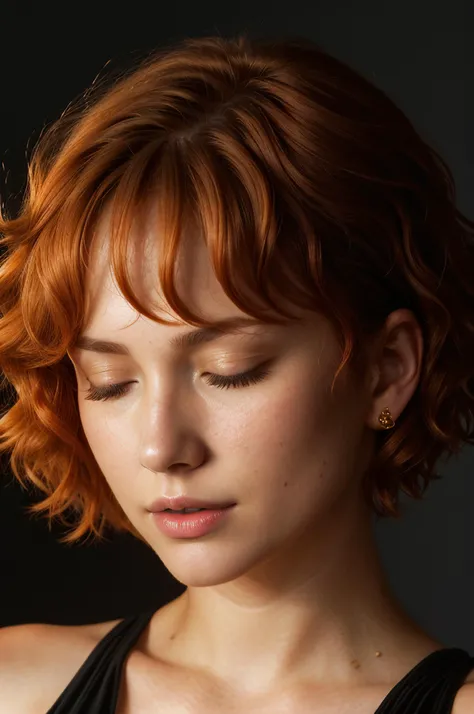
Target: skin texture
(289, 589)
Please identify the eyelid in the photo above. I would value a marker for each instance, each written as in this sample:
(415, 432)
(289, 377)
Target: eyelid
(230, 370)
(236, 380)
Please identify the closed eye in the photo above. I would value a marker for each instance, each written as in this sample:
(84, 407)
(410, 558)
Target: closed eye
(243, 379)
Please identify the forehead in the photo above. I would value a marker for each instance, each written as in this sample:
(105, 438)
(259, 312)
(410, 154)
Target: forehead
(195, 280)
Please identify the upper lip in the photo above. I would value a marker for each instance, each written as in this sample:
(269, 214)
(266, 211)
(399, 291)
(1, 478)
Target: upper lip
(177, 503)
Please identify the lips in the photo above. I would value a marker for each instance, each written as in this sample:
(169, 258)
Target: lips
(185, 510)
(190, 525)
(178, 503)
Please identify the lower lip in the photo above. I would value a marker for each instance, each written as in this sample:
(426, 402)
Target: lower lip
(189, 525)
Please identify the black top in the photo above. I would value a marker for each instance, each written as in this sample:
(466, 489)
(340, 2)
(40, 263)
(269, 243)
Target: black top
(429, 688)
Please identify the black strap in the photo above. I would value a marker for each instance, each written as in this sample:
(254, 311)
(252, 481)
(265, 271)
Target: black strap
(94, 689)
(431, 686)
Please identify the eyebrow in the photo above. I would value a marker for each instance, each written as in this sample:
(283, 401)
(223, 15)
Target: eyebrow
(186, 340)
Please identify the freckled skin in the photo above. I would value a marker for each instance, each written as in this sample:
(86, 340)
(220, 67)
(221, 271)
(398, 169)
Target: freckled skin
(267, 592)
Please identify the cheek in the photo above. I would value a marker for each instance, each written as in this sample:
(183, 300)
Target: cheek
(280, 436)
(295, 453)
(286, 423)
(113, 447)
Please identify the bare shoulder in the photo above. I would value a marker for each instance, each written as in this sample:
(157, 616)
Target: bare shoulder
(37, 662)
(464, 701)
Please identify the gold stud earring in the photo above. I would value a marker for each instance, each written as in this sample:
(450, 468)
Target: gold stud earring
(385, 419)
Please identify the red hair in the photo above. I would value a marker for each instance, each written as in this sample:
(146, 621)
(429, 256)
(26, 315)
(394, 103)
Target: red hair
(306, 181)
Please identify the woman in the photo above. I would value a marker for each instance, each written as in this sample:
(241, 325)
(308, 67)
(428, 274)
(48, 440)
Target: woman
(239, 282)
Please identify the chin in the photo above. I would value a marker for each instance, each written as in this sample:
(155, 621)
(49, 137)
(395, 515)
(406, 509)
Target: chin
(201, 570)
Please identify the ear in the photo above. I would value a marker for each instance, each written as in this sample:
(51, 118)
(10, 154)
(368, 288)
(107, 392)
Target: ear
(396, 361)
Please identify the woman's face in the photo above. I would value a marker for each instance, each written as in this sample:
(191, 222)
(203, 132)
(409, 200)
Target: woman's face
(284, 449)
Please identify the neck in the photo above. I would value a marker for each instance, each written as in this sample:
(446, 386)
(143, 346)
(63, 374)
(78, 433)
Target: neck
(321, 610)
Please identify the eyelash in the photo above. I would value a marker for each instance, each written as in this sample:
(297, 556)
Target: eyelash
(243, 379)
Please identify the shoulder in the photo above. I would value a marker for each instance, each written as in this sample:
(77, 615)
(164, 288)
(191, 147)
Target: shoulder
(37, 662)
(464, 701)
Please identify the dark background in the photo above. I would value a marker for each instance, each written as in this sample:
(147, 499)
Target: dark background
(422, 54)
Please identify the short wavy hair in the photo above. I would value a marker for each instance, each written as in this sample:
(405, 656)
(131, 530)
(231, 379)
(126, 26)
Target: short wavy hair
(306, 181)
